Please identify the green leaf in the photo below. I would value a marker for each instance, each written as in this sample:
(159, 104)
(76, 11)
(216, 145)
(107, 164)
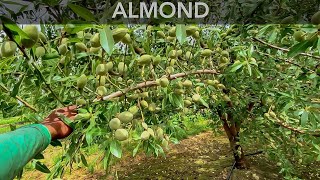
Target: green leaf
(106, 40)
(136, 149)
(304, 118)
(16, 88)
(82, 12)
(41, 167)
(55, 143)
(50, 56)
(181, 33)
(249, 68)
(13, 27)
(115, 149)
(236, 66)
(83, 160)
(39, 156)
(299, 48)
(204, 103)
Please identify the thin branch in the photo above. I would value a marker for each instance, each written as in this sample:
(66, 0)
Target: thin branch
(20, 99)
(284, 49)
(154, 83)
(287, 61)
(282, 124)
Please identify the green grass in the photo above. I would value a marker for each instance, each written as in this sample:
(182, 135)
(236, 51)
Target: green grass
(11, 120)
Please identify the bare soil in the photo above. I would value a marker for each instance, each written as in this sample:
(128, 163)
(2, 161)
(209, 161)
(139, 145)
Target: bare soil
(198, 157)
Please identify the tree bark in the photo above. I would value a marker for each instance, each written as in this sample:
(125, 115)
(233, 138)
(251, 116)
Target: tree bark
(232, 132)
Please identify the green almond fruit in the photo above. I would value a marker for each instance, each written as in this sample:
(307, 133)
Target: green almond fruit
(101, 70)
(144, 94)
(134, 109)
(221, 86)
(119, 33)
(64, 41)
(33, 34)
(159, 133)
(152, 107)
(121, 134)
(81, 102)
(164, 82)
(210, 82)
(42, 37)
(125, 117)
(187, 103)
(84, 116)
(161, 34)
(170, 70)
(196, 35)
(109, 66)
(81, 47)
(179, 53)
(272, 114)
(8, 49)
(187, 83)
(145, 59)
(191, 30)
(226, 98)
(165, 143)
(145, 135)
(173, 54)
(206, 53)
(151, 132)
(115, 124)
(225, 54)
(63, 49)
(171, 39)
(102, 80)
(122, 68)
(144, 104)
(80, 34)
(126, 39)
(196, 98)
(172, 32)
(82, 81)
(299, 36)
(188, 56)
(40, 51)
(157, 60)
(179, 91)
(94, 50)
(95, 40)
(102, 91)
(233, 90)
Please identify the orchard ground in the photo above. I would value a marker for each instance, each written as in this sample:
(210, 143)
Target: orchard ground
(203, 155)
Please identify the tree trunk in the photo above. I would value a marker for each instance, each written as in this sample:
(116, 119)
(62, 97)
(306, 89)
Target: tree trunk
(232, 132)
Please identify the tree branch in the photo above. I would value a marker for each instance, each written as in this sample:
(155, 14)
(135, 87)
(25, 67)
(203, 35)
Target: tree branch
(282, 124)
(154, 83)
(284, 49)
(21, 100)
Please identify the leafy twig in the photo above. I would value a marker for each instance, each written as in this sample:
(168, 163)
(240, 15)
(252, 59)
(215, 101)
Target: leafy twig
(9, 34)
(21, 100)
(284, 49)
(154, 83)
(282, 124)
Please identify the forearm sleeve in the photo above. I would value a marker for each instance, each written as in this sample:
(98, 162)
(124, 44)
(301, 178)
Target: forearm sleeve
(18, 147)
